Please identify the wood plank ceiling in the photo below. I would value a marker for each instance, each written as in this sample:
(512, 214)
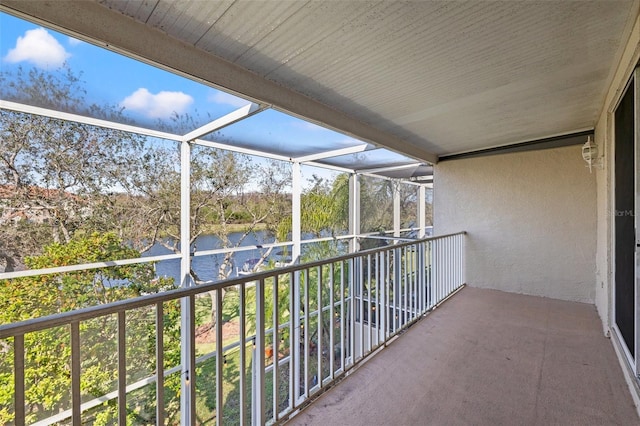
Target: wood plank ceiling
(441, 77)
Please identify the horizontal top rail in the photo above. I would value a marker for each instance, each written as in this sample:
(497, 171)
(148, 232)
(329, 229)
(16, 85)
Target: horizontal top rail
(86, 266)
(197, 253)
(65, 318)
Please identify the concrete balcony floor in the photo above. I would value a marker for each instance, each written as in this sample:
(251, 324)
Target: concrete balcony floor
(487, 357)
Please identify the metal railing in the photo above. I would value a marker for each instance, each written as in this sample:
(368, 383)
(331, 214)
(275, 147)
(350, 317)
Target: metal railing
(295, 331)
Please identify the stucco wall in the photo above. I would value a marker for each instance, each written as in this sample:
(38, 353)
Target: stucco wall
(530, 218)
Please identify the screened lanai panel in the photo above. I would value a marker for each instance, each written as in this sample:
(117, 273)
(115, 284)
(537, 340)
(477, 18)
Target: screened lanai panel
(44, 68)
(278, 133)
(370, 159)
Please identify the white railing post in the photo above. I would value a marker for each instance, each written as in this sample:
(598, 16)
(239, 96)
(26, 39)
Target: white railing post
(258, 418)
(397, 287)
(354, 211)
(296, 236)
(187, 352)
(422, 211)
(396, 209)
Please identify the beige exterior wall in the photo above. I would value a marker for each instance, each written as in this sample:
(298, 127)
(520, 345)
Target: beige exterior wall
(530, 218)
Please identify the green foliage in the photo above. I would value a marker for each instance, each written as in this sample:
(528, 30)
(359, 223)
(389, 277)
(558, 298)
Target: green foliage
(376, 204)
(47, 358)
(324, 208)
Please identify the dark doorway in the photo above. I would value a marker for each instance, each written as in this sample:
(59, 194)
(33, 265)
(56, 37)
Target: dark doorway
(624, 218)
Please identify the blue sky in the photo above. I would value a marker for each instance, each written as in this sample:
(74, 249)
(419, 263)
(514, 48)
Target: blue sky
(149, 94)
(144, 91)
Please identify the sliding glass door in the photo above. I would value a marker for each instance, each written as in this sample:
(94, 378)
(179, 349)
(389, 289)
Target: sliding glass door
(626, 198)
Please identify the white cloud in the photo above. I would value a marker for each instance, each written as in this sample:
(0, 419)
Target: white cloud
(159, 105)
(40, 48)
(74, 41)
(227, 99)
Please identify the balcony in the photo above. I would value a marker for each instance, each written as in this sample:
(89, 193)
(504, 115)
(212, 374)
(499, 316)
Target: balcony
(487, 357)
(403, 341)
(300, 328)
(496, 99)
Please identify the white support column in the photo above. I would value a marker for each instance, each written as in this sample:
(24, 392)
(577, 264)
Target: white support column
(296, 237)
(296, 209)
(396, 209)
(187, 351)
(354, 246)
(354, 211)
(422, 211)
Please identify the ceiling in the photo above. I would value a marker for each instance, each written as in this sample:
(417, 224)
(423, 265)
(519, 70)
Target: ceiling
(425, 78)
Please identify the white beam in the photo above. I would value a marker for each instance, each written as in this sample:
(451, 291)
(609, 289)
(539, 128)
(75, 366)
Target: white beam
(221, 122)
(330, 167)
(95, 23)
(388, 168)
(240, 150)
(45, 112)
(332, 153)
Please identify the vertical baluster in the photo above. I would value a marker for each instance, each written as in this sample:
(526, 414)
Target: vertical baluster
(452, 263)
(307, 331)
(191, 310)
(275, 344)
(342, 324)
(159, 363)
(416, 279)
(293, 324)
(377, 274)
(75, 373)
(258, 389)
(413, 273)
(320, 328)
(388, 313)
(369, 307)
(430, 277)
(352, 310)
(420, 277)
(332, 323)
(360, 283)
(396, 289)
(243, 352)
(122, 370)
(18, 366)
(219, 359)
(405, 281)
(436, 261)
(449, 264)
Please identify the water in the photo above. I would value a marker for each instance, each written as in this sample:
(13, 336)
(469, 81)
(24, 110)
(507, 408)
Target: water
(206, 267)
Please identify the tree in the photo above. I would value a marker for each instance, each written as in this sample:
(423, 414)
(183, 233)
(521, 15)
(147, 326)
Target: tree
(67, 189)
(324, 208)
(47, 359)
(55, 175)
(376, 204)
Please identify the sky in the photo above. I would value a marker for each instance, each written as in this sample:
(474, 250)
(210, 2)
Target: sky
(144, 91)
(148, 94)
